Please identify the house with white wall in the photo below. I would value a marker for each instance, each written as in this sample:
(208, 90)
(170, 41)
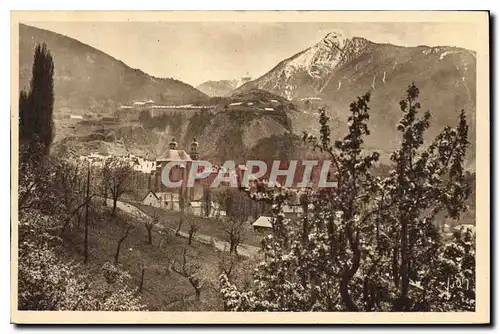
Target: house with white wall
(151, 199)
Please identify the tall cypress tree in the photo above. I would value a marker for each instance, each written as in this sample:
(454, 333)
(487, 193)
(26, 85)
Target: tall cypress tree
(35, 108)
(23, 117)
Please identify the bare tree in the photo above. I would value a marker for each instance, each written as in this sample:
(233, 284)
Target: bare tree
(141, 284)
(207, 202)
(219, 198)
(238, 205)
(86, 242)
(234, 231)
(67, 177)
(179, 226)
(227, 264)
(163, 234)
(65, 196)
(117, 175)
(193, 228)
(238, 210)
(150, 223)
(104, 188)
(118, 246)
(191, 271)
(170, 264)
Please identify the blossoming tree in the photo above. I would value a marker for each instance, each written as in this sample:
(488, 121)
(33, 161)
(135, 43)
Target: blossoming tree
(373, 242)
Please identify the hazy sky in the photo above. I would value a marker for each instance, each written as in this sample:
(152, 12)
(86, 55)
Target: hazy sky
(195, 52)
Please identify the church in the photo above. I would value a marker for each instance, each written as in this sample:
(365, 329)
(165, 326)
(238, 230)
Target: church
(179, 172)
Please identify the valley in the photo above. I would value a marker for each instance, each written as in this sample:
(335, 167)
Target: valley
(401, 191)
(329, 74)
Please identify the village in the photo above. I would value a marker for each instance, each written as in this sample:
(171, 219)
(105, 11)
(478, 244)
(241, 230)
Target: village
(149, 190)
(198, 200)
(341, 178)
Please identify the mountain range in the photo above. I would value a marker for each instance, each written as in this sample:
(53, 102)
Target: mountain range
(331, 73)
(86, 78)
(337, 64)
(222, 87)
(335, 70)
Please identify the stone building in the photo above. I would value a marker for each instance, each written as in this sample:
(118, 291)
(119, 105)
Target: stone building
(179, 172)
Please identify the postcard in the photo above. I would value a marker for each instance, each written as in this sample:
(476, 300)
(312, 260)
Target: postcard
(250, 167)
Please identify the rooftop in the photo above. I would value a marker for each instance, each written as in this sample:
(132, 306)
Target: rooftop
(263, 221)
(174, 155)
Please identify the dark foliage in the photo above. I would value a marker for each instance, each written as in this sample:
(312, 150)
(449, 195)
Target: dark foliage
(36, 106)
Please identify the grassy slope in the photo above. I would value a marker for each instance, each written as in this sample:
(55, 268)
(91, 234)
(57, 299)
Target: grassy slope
(206, 226)
(162, 290)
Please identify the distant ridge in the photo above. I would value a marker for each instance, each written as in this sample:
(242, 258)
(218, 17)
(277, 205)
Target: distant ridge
(222, 87)
(85, 77)
(336, 69)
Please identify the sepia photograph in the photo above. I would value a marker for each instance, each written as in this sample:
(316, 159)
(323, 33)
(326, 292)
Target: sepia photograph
(250, 167)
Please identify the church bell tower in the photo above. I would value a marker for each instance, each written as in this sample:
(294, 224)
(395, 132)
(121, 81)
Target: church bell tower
(193, 153)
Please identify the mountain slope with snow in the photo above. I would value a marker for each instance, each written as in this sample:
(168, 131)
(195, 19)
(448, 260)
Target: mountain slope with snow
(221, 88)
(306, 73)
(337, 69)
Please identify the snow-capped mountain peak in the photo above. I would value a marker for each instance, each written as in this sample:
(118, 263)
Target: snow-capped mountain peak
(222, 87)
(335, 69)
(334, 39)
(318, 61)
(320, 58)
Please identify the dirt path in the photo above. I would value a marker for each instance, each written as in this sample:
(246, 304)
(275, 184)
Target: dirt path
(243, 249)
